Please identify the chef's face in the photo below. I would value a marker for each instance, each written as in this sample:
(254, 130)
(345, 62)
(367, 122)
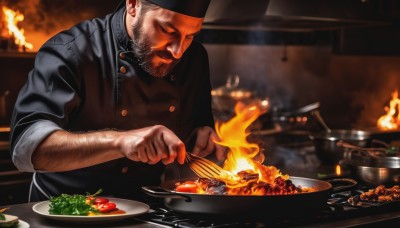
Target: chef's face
(160, 37)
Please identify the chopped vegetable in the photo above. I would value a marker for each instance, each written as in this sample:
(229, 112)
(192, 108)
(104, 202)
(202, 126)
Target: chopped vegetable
(98, 200)
(106, 207)
(188, 186)
(72, 204)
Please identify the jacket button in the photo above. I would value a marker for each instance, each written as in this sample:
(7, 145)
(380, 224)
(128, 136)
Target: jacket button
(122, 55)
(124, 170)
(124, 112)
(173, 78)
(122, 69)
(172, 108)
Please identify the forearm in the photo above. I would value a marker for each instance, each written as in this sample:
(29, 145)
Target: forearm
(64, 151)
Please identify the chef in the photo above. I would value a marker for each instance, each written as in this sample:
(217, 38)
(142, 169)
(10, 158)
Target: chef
(111, 101)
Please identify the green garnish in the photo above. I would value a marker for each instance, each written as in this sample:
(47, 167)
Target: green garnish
(72, 204)
(2, 216)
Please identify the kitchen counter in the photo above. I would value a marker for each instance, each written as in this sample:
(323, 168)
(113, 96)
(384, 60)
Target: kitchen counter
(25, 213)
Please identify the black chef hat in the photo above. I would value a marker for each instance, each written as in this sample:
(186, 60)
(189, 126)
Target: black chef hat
(194, 8)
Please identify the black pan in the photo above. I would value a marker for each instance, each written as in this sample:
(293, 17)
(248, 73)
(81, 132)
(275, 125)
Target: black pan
(269, 206)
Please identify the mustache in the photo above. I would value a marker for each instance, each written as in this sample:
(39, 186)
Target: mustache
(167, 55)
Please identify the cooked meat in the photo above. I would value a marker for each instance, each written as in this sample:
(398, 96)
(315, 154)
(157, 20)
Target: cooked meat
(381, 193)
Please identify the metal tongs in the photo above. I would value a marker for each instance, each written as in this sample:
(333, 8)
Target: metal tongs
(203, 167)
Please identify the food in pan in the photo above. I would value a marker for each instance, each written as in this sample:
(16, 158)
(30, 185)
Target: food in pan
(8, 220)
(381, 193)
(378, 194)
(89, 205)
(250, 185)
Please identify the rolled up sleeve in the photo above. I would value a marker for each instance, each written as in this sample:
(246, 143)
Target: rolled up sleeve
(27, 143)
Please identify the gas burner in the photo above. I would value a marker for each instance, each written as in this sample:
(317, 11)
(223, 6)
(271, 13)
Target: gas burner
(169, 218)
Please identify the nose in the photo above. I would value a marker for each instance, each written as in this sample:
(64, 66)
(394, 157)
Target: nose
(177, 48)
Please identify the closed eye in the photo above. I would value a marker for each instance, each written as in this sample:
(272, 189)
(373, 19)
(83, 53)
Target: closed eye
(169, 29)
(164, 30)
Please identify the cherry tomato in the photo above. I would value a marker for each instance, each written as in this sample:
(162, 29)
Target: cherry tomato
(106, 207)
(188, 186)
(101, 200)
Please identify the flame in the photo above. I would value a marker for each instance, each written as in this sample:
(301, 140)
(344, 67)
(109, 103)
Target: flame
(391, 120)
(338, 170)
(243, 155)
(12, 18)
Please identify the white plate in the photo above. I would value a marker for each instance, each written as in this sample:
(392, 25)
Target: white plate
(22, 224)
(132, 208)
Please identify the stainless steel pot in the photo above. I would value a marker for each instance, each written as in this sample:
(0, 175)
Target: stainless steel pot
(326, 147)
(372, 167)
(378, 175)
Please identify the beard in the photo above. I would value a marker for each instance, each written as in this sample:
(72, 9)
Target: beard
(144, 53)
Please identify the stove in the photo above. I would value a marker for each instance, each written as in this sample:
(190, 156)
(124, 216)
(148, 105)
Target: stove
(297, 158)
(339, 212)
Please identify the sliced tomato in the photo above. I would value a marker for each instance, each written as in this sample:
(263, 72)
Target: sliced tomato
(106, 207)
(101, 200)
(188, 186)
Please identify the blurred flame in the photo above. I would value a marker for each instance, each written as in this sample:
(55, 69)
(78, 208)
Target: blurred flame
(391, 120)
(243, 155)
(12, 18)
(338, 170)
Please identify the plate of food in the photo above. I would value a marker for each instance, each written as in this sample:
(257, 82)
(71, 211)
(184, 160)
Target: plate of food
(87, 209)
(11, 220)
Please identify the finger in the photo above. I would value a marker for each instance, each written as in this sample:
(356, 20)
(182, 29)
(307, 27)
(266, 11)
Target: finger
(152, 154)
(161, 149)
(172, 155)
(181, 153)
(133, 156)
(165, 161)
(177, 153)
(201, 142)
(142, 155)
(209, 148)
(220, 152)
(170, 159)
(174, 145)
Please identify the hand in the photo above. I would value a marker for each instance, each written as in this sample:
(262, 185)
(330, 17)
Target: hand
(205, 143)
(151, 145)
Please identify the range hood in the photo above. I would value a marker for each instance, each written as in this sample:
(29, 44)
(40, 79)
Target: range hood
(304, 15)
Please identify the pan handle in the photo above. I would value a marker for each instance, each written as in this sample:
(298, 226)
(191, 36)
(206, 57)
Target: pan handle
(157, 191)
(341, 184)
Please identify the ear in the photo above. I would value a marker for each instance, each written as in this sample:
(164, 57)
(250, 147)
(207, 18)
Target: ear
(131, 6)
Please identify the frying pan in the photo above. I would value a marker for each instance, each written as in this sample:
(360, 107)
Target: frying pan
(248, 206)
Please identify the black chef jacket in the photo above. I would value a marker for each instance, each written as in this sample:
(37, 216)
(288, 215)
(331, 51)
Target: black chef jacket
(87, 79)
